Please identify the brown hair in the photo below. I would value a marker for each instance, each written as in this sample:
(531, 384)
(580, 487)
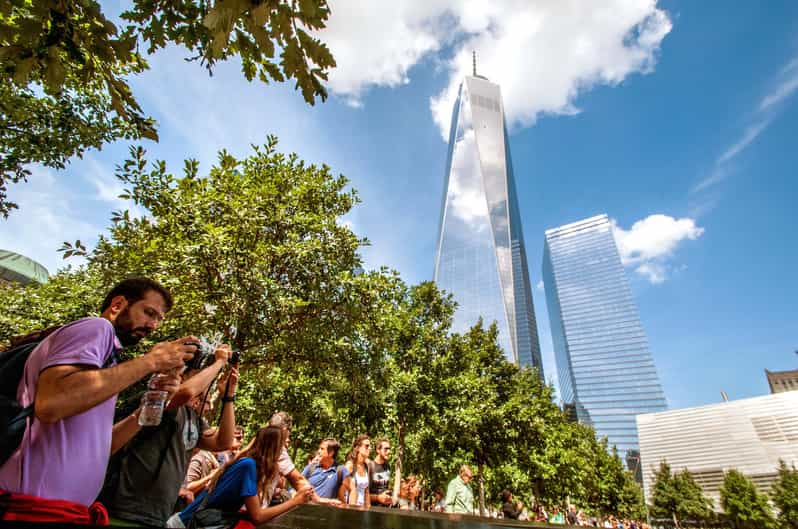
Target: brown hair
(358, 441)
(134, 289)
(265, 449)
(407, 485)
(333, 446)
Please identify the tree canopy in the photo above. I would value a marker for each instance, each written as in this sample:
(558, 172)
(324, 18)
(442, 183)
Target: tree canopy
(785, 496)
(678, 496)
(64, 66)
(255, 249)
(744, 505)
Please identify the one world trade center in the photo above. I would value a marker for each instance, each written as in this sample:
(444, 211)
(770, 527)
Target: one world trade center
(480, 257)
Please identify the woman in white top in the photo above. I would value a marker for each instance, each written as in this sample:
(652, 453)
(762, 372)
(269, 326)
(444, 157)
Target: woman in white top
(359, 481)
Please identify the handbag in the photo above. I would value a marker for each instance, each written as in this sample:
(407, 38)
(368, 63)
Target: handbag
(212, 518)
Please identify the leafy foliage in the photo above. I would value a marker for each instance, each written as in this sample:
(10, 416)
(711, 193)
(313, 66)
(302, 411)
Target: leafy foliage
(678, 496)
(68, 295)
(745, 507)
(785, 496)
(255, 249)
(64, 67)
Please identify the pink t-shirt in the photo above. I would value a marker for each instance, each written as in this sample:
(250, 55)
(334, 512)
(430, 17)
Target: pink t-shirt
(65, 460)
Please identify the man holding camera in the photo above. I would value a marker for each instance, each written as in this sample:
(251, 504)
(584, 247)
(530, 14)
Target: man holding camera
(145, 479)
(72, 378)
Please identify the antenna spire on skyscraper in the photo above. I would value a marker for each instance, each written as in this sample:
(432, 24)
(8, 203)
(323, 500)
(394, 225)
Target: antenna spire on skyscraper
(474, 55)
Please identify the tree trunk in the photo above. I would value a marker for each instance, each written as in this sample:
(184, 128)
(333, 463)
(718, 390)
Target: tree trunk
(481, 468)
(675, 521)
(400, 455)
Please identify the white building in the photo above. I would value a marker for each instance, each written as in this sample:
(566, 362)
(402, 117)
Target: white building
(749, 435)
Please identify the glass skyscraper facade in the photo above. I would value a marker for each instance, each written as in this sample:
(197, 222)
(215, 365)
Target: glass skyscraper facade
(480, 257)
(604, 366)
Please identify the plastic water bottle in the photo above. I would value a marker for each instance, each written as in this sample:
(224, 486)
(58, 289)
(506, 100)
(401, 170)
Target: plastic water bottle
(153, 401)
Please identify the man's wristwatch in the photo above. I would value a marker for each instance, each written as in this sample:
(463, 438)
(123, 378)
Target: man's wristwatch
(229, 399)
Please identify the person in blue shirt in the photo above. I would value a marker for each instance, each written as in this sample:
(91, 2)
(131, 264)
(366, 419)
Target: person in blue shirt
(324, 473)
(247, 481)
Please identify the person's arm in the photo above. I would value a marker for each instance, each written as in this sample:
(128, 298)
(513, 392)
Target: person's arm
(224, 436)
(353, 487)
(343, 489)
(451, 494)
(367, 496)
(261, 514)
(298, 481)
(199, 485)
(67, 390)
(197, 384)
(124, 430)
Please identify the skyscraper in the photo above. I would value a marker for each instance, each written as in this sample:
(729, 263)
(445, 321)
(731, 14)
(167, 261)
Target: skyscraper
(603, 363)
(480, 256)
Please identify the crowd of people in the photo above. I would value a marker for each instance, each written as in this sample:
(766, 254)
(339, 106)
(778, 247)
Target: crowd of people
(83, 459)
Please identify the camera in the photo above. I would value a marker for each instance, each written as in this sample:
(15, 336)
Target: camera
(200, 357)
(204, 353)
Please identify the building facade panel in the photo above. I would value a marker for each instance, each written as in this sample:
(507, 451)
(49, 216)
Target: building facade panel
(480, 258)
(749, 435)
(604, 366)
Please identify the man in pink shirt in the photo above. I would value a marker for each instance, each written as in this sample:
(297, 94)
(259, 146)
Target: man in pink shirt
(73, 379)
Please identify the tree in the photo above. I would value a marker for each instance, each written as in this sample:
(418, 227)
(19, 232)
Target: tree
(693, 504)
(255, 249)
(745, 507)
(478, 387)
(631, 500)
(678, 496)
(68, 295)
(415, 338)
(65, 67)
(785, 496)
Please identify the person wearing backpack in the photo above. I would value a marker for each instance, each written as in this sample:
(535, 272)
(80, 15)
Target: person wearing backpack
(153, 466)
(248, 481)
(72, 379)
(324, 473)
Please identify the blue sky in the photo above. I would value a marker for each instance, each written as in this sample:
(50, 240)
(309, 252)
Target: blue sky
(678, 119)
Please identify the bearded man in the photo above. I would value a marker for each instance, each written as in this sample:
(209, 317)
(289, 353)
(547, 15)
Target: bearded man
(73, 378)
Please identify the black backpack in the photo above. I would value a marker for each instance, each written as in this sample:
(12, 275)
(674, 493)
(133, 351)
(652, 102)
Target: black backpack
(13, 416)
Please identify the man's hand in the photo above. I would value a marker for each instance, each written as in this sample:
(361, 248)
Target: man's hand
(170, 355)
(383, 498)
(170, 385)
(231, 376)
(223, 353)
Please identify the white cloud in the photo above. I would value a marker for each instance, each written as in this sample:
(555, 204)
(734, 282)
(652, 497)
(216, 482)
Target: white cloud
(651, 242)
(653, 271)
(543, 54)
(376, 43)
(49, 214)
(107, 186)
(766, 112)
(750, 134)
(540, 285)
(784, 89)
